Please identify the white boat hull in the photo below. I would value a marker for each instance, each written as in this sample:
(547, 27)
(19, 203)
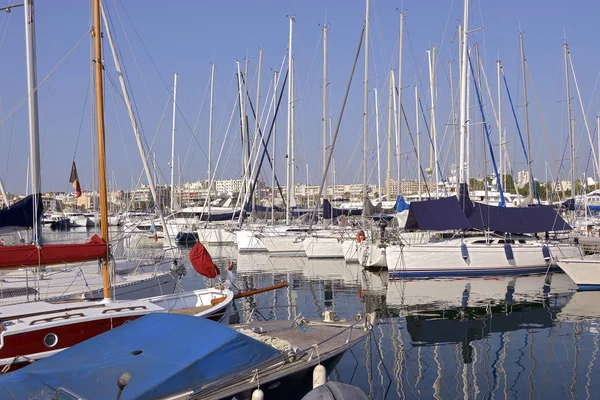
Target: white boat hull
(246, 241)
(446, 259)
(323, 247)
(216, 236)
(584, 272)
(350, 250)
(284, 245)
(371, 255)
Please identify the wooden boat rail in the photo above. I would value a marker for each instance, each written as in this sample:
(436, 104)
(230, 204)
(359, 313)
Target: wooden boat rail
(129, 308)
(50, 319)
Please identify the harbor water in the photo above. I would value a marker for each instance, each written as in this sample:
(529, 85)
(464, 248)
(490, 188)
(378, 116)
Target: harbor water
(504, 337)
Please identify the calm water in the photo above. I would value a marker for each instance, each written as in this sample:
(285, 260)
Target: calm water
(507, 337)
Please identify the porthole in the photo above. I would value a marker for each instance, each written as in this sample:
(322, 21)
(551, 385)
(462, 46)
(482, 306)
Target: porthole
(51, 340)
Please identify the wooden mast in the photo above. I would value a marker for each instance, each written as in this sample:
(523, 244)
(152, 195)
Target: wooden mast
(101, 142)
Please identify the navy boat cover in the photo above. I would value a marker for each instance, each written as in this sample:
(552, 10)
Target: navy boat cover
(164, 353)
(21, 214)
(532, 219)
(436, 215)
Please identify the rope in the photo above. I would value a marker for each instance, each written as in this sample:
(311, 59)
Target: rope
(24, 99)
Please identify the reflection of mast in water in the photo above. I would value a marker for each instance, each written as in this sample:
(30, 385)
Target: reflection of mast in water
(274, 294)
(368, 364)
(438, 379)
(576, 336)
(533, 363)
(474, 371)
(398, 352)
(291, 304)
(591, 364)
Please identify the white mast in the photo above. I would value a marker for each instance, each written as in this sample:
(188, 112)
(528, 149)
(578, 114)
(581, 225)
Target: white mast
(431, 55)
(290, 136)
(32, 102)
(257, 118)
(324, 116)
(389, 138)
(463, 95)
(275, 82)
(526, 104)
(453, 106)
(172, 163)
(399, 113)
(377, 143)
(366, 104)
(418, 134)
(500, 138)
(210, 132)
(570, 120)
(134, 124)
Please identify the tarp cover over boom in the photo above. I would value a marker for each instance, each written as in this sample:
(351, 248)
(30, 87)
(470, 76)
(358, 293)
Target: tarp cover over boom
(202, 261)
(533, 219)
(12, 257)
(164, 353)
(436, 215)
(21, 214)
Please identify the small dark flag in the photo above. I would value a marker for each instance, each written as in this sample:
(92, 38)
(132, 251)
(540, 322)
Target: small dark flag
(74, 180)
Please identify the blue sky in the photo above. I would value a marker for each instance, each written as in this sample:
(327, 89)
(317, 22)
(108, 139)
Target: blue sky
(159, 39)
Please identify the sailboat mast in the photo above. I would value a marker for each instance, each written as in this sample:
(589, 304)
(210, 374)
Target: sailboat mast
(210, 132)
(389, 138)
(275, 82)
(570, 120)
(418, 134)
(399, 113)
(173, 143)
(290, 144)
(366, 103)
(453, 109)
(324, 116)
(101, 139)
(431, 55)
(463, 94)
(136, 131)
(526, 104)
(32, 102)
(377, 144)
(500, 137)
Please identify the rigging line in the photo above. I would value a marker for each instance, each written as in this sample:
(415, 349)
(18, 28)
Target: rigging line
(124, 69)
(189, 147)
(182, 115)
(4, 25)
(312, 63)
(544, 126)
(24, 99)
(131, 48)
(87, 93)
(120, 129)
(431, 142)
(415, 150)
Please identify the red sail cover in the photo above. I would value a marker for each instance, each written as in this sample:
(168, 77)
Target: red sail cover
(202, 262)
(13, 257)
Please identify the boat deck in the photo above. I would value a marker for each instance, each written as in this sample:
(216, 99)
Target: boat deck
(315, 342)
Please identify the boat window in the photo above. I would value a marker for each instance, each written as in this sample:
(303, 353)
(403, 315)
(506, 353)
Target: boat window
(51, 340)
(479, 242)
(522, 241)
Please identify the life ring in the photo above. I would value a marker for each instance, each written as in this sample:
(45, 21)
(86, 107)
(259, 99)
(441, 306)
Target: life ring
(230, 267)
(515, 203)
(360, 236)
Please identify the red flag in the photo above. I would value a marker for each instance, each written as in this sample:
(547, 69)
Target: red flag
(202, 262)
(74, 180)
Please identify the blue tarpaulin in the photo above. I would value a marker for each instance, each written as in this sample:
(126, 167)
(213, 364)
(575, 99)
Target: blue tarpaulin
(164, 353)
(437, 215)
(21, 214)
(401, 204)
(517, 219)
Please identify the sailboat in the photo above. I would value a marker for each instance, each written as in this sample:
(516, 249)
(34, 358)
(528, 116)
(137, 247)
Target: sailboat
(37, 330)
(221, 363)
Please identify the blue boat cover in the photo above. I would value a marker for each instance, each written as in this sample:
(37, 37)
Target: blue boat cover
(533, 219)
(20, 215)
(401, 204)
(164, 353)
(436, 215)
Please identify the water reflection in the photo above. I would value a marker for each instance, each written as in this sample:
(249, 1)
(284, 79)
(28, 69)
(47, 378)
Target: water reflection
(517, 337)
